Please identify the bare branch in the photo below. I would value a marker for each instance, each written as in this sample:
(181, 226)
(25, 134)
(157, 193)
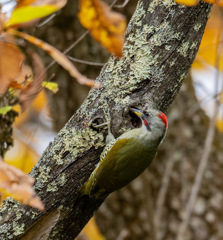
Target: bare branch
(45, 21)
(122, 5)
(86, 62)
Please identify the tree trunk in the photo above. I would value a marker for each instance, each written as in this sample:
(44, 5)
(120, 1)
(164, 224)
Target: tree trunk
(162, 40)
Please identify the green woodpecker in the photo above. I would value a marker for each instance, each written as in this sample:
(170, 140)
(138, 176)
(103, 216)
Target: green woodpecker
(125, 158)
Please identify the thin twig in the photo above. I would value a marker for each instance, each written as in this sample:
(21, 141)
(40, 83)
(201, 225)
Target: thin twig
(69, 48)
(59, 57)
(86, 62)
(122, 5)
(113, 3)
(204, 158)
(76, 42)
(46, 20)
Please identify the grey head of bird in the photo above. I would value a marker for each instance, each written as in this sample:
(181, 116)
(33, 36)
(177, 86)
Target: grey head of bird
(154, 124)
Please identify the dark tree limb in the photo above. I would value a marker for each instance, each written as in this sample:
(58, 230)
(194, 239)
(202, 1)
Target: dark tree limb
(162, 41)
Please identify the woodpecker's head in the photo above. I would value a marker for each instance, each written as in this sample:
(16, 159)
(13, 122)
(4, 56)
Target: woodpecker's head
(152, 119)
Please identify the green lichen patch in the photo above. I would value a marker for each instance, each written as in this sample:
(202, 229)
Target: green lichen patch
(11, 206)
(184, 49)
(19, 214)
(194, 45)
(62, 179)
(18, 228)
(5, 228)
(33, 214)
(43, 176)
(167, 3)
(52, 187)
(197, 26)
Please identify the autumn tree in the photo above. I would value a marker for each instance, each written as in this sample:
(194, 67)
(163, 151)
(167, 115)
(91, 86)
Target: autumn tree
(162, 40)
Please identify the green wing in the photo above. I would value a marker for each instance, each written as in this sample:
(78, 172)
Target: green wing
(105, 180)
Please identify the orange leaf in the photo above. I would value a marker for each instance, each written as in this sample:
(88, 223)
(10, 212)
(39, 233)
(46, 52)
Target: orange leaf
(31, 91)
(58, 57)
(24, 77)
(105, 25)
(91, 231)
(15, 85)
(22, 3)
(18, 185)
(218, 2)
(195, 2)
(56, 3)
(11, 60)
(187, 2)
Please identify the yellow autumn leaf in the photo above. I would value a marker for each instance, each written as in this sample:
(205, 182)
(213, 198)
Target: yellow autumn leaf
(39, 102)
(91, 231)
(221, 97)
(195, 2)
(106, 26)
(207, 54)
(187, 2)
(27, 11)
(20, 155)
(218, 2)
(52, 86)
(219, 124)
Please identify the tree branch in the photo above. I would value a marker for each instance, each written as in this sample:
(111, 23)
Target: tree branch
(162, 40)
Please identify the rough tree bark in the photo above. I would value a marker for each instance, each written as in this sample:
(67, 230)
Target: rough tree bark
(162, 40)
(62, 32)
